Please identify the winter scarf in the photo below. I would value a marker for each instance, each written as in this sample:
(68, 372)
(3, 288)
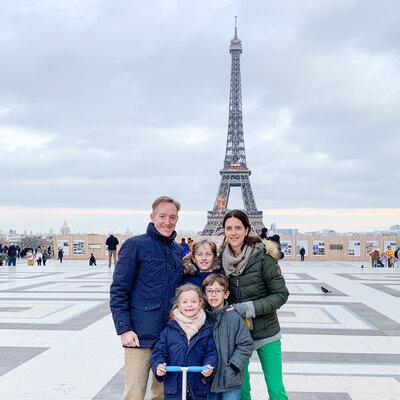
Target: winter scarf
(190, 325)
(232, 264)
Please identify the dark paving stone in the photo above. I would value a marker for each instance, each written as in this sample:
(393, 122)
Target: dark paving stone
(357, 358)
(384, 326)
(41, 287)
(377, 277)
(14, 309)
(78, 323)
(317, 396)
(286, 313)
(12, 357)
(114, 389)
(385, 289)
(299, 276)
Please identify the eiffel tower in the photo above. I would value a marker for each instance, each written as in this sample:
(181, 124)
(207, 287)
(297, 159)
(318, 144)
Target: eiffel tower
(235, 172)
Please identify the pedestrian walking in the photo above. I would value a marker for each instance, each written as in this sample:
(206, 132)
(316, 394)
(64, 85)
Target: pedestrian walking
(112, 243)
(60, 254)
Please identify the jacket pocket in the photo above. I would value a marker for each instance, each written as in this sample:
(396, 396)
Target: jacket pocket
(147, 319)
(232, 377)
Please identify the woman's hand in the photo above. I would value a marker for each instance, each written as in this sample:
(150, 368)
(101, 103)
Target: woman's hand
(161, 369)
(208, 371)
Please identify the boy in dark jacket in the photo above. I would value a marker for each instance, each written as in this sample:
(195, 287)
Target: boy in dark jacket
(232, 338)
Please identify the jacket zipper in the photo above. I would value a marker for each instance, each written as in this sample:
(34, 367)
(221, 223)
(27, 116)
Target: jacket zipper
(238, 290)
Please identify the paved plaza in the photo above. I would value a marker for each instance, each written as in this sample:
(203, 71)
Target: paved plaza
(57, 339)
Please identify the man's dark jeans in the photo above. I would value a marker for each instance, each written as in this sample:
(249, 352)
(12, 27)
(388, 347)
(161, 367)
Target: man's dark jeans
(12, 260)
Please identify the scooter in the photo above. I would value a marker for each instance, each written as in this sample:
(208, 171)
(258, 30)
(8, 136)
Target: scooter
(185, 370)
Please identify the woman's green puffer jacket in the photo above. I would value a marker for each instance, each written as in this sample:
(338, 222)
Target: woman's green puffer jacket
(262, 283)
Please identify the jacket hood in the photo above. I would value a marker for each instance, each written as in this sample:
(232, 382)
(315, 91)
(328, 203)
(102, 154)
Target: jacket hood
(271, 248)
(189, 267)
(153, 232)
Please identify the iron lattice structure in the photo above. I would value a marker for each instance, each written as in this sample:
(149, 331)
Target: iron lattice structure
(235, 171)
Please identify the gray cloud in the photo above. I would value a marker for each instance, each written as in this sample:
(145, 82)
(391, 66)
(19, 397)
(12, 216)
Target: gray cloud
(119, 102)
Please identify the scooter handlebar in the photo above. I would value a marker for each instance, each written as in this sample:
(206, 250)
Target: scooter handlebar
(173, 368)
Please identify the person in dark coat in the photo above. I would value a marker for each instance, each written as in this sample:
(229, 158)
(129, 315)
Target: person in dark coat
(264, 233)
(112, 243)
(12, 255)
(92, 260)
(302, 253)
(187, 340)
(45, 257)
(201, 262)
(185, 246)
(60, 254)
(148, 271)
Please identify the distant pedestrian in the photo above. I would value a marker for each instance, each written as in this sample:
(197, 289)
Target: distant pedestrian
(12, 255)
(31, 258)
(112, 243)
(302, 253)
(60, 254)
(375, 258)
(49, 252)
(18, 251)
(264, 233)
(92, 260)
(44, 257)
(39, 258)
(185, 246)
(390, 257)
(190, 242)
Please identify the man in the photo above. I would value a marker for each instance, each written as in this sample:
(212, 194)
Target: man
(112, 243)
(185, 246)
(148, 271)
(60, 254)
(12, 255)
(302, 253)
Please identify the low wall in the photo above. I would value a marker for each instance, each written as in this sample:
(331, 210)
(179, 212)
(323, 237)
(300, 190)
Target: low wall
(324, 248)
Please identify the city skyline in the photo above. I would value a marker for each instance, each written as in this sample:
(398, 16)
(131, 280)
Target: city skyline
(104, 107)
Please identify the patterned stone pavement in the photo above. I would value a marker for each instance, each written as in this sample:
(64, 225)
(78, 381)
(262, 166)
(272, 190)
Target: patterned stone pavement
(57, 340)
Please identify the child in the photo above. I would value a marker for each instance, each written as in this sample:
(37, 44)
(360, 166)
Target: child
(232, 338)
(31, 259)
(201, 262)
(92, 260)
(187, 340)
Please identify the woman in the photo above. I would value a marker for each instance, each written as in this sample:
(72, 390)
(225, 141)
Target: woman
(257, 290)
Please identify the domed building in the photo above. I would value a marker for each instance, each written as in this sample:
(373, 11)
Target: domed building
(65, 229)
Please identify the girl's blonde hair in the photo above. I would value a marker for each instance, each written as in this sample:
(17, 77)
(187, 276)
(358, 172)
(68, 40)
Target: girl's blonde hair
(201, 242)
(186, 288)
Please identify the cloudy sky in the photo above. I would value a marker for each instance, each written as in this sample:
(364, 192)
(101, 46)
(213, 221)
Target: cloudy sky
(105, 105)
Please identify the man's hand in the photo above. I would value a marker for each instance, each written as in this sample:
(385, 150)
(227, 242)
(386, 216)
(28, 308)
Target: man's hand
(130, 339)
(161, 369)
(208, 371)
